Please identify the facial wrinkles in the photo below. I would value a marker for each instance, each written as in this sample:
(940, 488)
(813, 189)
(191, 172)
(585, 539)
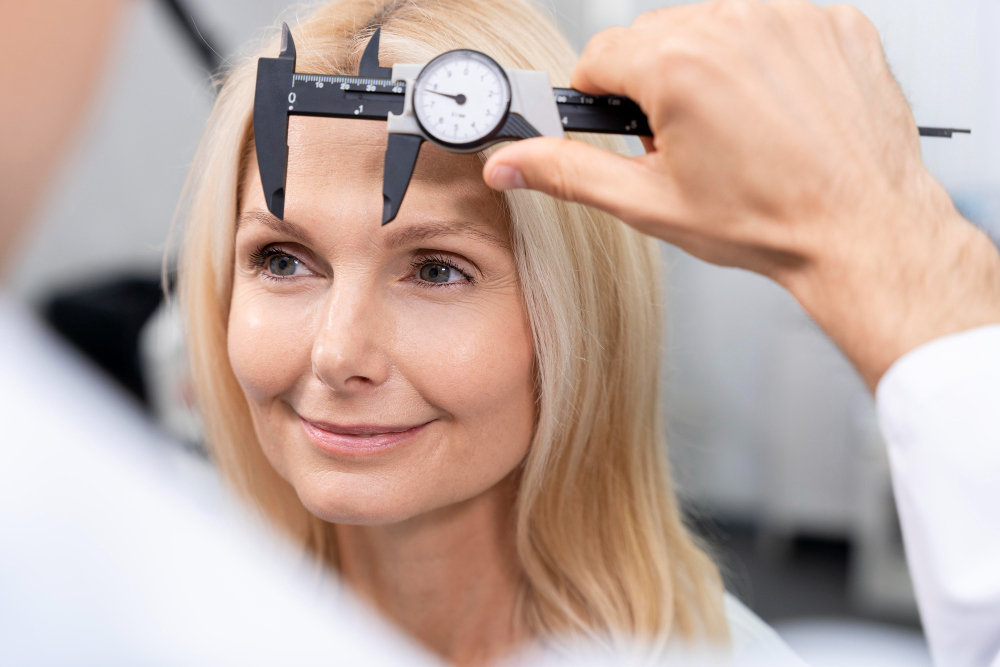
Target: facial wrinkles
(391, 351)
(353, 305)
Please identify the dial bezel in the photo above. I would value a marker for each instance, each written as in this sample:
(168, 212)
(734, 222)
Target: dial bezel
(502, 119)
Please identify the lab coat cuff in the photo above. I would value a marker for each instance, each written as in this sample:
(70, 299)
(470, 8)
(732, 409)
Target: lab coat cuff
(942, 365)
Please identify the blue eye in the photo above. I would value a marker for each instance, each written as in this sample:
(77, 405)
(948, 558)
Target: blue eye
(283, 265)
(438, 273)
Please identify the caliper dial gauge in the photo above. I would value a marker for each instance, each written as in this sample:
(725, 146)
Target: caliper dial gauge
(461, 98)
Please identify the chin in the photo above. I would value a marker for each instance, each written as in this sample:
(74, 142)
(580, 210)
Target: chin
(357, 501)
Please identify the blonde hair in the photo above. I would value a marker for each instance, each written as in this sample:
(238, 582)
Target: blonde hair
(600, 538)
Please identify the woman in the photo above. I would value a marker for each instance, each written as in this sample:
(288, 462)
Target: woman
(460, 411)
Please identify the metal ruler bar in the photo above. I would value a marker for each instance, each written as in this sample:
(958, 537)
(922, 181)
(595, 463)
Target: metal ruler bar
(945, 132)
(373, 99)
(605, 114)
(343, 97)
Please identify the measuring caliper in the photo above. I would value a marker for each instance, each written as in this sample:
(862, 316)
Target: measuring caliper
(462, 101)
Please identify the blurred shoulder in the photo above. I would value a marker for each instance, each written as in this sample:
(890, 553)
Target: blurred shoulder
(753, 639)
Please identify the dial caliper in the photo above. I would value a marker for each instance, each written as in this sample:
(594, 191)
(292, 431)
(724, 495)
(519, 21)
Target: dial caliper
(462, 101)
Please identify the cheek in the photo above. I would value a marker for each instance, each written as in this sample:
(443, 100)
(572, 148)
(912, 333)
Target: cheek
(476, 363)
(269, 341)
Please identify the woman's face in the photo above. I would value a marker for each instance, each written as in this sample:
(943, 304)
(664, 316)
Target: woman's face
(388, 370)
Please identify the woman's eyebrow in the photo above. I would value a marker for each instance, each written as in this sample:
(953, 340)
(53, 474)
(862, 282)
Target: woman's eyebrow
(285, 227)
(412, 234)
(396, 237)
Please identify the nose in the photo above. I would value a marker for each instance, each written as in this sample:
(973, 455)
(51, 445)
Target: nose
(348, 355)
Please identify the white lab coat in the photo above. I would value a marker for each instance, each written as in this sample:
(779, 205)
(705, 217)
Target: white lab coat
(939, 408)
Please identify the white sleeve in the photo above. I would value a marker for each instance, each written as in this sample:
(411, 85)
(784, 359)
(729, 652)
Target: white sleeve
(939, 409)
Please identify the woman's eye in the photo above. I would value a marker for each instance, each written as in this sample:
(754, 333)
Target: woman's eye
(440, 273)
(284, 265)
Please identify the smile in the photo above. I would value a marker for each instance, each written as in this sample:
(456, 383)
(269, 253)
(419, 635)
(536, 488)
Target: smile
(358, 439)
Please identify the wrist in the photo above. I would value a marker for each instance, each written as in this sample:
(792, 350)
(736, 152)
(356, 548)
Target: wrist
(910, 275)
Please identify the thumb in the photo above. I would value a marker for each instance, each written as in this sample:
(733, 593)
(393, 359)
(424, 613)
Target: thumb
(571, 170)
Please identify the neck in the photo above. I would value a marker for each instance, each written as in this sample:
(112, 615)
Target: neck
(448, 577)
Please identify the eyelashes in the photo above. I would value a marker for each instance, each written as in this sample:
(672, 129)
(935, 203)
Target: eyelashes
(260, 257)
(419, 263)
(277, 264)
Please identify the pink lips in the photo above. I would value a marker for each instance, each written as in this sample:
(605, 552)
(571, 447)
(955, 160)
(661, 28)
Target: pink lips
(361, 439)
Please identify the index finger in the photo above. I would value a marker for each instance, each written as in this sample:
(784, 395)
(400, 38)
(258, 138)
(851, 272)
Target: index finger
(603, 61)
(608, 64)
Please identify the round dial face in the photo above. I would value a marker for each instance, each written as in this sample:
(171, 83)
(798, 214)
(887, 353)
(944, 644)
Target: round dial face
(461, 97)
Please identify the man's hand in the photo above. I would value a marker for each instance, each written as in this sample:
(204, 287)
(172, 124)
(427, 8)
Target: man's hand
(782, 145)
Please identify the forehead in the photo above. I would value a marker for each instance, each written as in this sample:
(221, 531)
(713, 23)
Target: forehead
(335, 167)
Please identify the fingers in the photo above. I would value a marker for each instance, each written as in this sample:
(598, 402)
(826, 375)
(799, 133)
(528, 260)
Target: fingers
(575, 171)
(604, 62)
(607, 65)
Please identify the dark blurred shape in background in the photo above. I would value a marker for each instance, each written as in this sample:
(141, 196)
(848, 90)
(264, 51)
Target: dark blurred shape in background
(104, 322)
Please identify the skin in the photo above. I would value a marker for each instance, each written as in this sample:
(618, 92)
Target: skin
(339, 326)
(783, 145)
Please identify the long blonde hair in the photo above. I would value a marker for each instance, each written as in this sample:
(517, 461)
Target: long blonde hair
(600, 539)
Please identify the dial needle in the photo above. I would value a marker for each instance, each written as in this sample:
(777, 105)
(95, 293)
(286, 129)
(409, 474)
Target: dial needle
(458, 98)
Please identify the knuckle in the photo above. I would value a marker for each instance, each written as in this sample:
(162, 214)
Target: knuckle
(676, 72)
(605, 39)
(646, 20)
(653, 59)
(851, 20)
(853, 27)
(797, 5)
(741, 11)
(743, 18)
(801, 16)
(677, 63)
(797, 8)
(601, 45)
(845, 14)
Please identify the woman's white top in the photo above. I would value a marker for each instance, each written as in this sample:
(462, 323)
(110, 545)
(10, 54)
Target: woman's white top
(754, 641)
(939, 408)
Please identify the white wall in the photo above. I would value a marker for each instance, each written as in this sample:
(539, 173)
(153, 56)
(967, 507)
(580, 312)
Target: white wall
(112, 205)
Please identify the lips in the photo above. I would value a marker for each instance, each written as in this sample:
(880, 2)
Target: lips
(360, 438)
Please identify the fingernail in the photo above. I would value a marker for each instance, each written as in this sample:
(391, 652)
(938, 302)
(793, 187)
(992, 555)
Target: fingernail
(505, 177)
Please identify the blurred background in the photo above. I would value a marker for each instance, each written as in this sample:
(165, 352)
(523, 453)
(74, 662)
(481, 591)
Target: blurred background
(772, 435)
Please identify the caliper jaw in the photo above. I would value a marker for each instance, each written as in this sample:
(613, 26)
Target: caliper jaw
(270, 121)
(273, 102)
(400, 158)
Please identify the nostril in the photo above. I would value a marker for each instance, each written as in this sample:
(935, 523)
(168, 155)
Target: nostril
(347, 367)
